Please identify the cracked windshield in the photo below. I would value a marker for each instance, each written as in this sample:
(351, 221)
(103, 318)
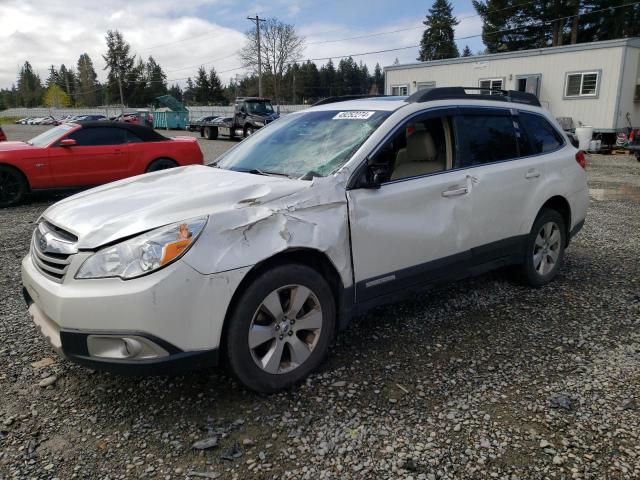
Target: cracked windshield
(304, 145)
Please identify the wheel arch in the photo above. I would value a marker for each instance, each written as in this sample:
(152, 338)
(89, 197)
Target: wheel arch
(310, 257)
(19, 170)
(164, 157)
(562, 206)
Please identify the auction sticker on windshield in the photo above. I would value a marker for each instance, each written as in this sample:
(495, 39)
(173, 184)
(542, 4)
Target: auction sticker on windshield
(353, 115)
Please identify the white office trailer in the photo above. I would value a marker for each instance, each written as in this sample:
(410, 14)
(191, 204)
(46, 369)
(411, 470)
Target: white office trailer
(594, 84)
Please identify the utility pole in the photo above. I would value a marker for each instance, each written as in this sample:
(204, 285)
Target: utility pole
(121, 97)
(257, 21)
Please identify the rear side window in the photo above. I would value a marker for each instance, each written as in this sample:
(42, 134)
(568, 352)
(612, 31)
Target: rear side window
(485, 139)
(542, 135)
(92, 137)
(132, 137)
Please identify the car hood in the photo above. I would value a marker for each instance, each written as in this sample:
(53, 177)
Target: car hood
(121, 209)
(13, 146)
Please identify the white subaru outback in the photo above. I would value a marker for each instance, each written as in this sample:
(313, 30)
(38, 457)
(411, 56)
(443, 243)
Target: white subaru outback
(259, 260)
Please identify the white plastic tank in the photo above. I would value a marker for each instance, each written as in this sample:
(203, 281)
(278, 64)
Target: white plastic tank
(584, 135)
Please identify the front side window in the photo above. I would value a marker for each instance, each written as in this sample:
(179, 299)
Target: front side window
(583, 84)
(421, 147)
(485, 139)
(543, 137)
(399, 90)
(93, 137)
(50, 136)
(307, 144)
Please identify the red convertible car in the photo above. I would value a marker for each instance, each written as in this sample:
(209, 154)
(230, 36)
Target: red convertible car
(87, 154)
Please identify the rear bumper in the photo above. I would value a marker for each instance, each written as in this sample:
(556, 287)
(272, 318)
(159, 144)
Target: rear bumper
(73, 344)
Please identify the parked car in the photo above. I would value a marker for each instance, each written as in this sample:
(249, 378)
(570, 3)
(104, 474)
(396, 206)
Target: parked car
(94, 118)
(3, 136)
(250, 115)
(200, 123)
(324, 214)
(22, 121)
(86, 154)
(35, 121)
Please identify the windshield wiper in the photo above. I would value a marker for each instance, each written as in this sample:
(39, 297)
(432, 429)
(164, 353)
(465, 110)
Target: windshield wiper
(256, 171)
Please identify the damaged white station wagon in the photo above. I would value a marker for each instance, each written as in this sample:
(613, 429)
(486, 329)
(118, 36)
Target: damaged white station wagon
(319, 216)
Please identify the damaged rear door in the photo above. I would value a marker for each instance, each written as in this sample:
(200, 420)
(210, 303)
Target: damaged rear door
(414, 228)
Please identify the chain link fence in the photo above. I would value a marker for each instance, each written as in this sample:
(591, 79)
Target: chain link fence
(194, 111)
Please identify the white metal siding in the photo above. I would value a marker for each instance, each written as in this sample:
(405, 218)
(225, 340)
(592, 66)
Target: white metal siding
(630, 78)
(597, 112)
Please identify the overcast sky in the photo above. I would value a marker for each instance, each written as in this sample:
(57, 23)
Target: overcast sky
(184, 34)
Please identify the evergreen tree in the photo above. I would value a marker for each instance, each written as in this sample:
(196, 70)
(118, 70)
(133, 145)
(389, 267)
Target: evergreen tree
(68, 81)
(88, 93)
(29, 86)
(202, 87)
(54, 77)
(378, 81)
(156, 81)
(327, 81)
(438, 38)
(466, 52)
(120, 65)
(176, 92)
(189, 92)
(216, 94)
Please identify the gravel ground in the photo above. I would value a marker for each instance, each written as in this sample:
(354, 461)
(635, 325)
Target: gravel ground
(480, 379)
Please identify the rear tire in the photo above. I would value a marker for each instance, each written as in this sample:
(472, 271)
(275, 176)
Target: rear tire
(161, 164)
(13, 186)
(544, 251)
(281, 327)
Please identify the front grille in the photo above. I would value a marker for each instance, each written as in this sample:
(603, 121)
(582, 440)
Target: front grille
(52, 250)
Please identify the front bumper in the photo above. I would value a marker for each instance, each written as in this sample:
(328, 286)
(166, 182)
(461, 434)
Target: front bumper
(173, 318)
(73, 344)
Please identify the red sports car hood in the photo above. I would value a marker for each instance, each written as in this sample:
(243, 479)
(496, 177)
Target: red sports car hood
(13, 146)
(137, 204)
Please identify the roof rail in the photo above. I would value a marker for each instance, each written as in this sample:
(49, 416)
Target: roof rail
(449, 93)
(344, 98)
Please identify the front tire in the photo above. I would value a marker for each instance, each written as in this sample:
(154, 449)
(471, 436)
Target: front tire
(211, 133)
(544, 252)
(281, 328)
(161, 164)
(13, 186)
(248, 132)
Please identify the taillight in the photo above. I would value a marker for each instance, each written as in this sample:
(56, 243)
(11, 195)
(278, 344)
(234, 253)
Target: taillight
(581, 159)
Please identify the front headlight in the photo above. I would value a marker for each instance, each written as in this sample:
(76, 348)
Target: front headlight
(259, 124)
(145, 253)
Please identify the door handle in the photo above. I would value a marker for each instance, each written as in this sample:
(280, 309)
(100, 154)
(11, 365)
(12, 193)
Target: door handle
(456, 192)
(532, 174)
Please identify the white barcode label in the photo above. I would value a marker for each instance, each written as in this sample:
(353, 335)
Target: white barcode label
(353, 115)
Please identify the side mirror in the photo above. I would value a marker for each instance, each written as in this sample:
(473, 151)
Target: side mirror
(67, 142)
(375, 175)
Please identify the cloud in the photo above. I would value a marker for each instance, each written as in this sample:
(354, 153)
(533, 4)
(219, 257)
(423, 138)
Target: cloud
(51, 33)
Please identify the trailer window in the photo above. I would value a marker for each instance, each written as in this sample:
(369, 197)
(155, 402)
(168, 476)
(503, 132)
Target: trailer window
(582, 84)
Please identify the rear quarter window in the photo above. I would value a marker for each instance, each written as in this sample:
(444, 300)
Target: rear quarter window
(543, 136)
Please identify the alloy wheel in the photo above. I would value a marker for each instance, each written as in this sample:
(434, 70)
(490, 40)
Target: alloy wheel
(285, 329)
(546, 249)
